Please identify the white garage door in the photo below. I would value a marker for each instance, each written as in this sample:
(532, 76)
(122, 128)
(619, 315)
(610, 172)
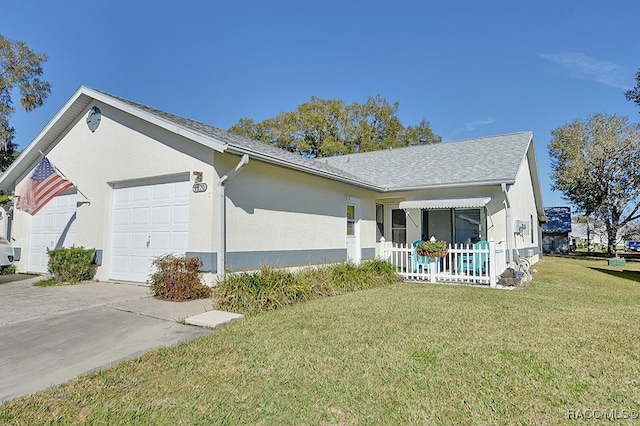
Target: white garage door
(148, 220)
(52, 227)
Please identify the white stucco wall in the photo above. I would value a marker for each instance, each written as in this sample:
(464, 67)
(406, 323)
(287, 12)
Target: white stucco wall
(523, 208)
(271, 208)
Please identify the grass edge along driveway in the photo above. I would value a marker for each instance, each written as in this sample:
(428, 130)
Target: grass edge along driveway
(564, 347)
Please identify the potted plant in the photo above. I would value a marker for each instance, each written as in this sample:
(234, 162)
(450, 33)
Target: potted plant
(432, 248)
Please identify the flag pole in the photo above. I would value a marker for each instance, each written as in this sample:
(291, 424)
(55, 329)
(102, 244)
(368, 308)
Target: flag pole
(63, 175)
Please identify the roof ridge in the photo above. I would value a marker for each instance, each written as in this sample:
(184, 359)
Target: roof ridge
(424, 146)
(492, 136)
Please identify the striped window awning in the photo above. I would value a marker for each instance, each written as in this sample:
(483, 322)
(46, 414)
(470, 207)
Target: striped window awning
(448, 203)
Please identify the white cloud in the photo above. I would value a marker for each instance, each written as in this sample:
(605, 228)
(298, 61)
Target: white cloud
(586, 67)
(472, 125)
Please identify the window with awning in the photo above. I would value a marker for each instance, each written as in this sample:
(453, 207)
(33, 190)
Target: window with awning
(455, 220)
(459, 226)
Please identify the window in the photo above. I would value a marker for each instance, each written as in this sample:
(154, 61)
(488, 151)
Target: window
(436, 223)
(531, 229)
(459, 226)
(468, 226)
(351, 219)
(398, 226)
(379, 222)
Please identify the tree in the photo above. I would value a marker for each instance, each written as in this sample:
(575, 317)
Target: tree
(20, 68)
(7, 154)
(634, 94)
(596, 165)
(631, 231)
(327, 127)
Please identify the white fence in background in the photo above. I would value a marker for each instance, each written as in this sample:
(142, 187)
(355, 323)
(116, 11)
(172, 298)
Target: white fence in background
(462, 264)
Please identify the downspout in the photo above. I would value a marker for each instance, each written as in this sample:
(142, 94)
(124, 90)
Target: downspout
(509, 222)
(222, 217)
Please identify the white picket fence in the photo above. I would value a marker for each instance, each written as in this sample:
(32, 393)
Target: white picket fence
(462, 264)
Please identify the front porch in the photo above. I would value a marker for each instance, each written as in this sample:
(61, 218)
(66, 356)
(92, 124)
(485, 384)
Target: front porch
(463, 263)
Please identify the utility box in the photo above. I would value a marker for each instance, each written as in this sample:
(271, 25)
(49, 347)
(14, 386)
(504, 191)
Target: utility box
(616, 261)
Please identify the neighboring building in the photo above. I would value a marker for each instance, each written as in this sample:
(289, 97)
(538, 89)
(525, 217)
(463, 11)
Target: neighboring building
(150, 183)
(594, 235)
(555, 233)
(590, 233)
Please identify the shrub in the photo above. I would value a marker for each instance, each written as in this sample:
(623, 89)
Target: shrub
(71, 264)
(177, 278)
(270, 289)
(9, 270)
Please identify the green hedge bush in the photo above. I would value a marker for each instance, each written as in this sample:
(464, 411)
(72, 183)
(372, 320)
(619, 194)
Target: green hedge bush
(71, 264)
(177, 278)
(271, 288)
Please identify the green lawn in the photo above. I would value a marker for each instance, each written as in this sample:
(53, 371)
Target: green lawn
(408, 353)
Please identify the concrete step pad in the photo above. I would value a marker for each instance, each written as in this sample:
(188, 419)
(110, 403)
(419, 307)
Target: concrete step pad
(212, 319)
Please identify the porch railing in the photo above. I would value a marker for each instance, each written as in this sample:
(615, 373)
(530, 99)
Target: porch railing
(462, 264)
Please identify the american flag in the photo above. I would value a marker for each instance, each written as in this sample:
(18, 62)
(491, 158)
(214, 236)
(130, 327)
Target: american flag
(41, 187)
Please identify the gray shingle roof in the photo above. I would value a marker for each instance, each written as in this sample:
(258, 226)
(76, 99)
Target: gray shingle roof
(245, 145)
(471, 161)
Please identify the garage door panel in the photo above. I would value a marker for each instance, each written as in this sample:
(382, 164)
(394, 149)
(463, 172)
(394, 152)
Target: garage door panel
(181, 189)
(61, 220)
(181, 215)
(120, 240)
(161, 241)
(48, 221)
(139, 265)
(121, 217)
(140, 216)
(41, 259)
(120, 264)
(154, 228)
(163, 192)
(161, 215)
(122, 196)
(141, 194)
(138, 240)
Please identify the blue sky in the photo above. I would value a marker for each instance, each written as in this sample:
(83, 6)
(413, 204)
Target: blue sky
(470, 68)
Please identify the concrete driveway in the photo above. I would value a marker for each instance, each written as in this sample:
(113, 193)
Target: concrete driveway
(49, 335)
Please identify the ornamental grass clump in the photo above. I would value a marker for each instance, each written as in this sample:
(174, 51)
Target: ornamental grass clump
(177, 278)
(264, 290)
(270, 289)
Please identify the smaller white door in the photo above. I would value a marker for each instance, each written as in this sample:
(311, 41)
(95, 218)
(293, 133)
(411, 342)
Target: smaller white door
(353, 230)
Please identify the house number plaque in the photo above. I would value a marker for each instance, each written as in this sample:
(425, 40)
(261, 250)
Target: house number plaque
(199, 187)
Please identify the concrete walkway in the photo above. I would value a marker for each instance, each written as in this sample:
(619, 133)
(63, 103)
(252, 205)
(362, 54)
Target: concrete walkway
(49, 335)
